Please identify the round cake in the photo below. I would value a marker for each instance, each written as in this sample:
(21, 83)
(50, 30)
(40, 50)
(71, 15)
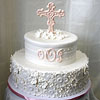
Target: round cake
(50, 67)
(51, 48)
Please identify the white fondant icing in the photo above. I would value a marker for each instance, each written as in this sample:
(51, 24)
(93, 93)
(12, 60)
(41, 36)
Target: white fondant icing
(81, 60)
(53, 82)
(33, 44)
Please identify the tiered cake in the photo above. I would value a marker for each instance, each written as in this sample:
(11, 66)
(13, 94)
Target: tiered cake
(50, 66)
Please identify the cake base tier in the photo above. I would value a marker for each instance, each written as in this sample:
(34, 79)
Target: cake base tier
(25, 96)
(47, 81)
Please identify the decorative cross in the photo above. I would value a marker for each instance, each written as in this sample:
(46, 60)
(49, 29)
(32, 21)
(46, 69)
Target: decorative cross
(50, 14)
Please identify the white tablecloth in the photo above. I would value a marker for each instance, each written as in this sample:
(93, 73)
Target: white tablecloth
(11, 96)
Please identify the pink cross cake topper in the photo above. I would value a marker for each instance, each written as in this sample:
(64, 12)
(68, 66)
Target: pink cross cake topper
(50, 14)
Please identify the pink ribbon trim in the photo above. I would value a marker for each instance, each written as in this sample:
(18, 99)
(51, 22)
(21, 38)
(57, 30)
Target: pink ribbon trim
(27, 98)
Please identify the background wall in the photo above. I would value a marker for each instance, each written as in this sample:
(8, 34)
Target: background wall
(19, 16)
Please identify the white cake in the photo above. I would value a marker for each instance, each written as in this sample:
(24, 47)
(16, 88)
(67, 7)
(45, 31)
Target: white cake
(50, 66)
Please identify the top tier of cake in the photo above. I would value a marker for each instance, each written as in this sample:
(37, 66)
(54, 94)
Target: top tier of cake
(50, 49)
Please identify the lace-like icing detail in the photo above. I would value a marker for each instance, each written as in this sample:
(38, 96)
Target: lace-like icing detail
(60, 84)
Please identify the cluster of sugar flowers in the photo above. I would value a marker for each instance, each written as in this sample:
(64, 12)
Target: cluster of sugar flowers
(57, 35)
